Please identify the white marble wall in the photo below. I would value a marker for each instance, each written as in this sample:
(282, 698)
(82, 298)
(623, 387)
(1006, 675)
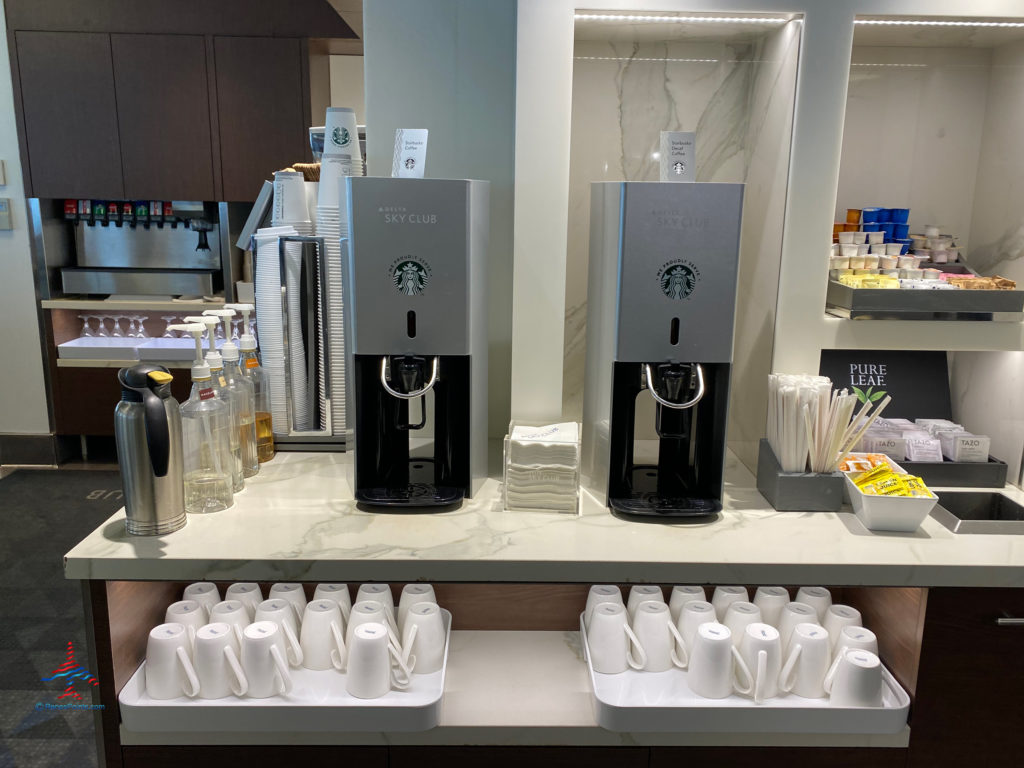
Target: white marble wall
(988, 387)
(913, 133)
(738, 97)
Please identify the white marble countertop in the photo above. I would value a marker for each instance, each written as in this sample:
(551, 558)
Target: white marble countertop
(297, 521)
(546, 700)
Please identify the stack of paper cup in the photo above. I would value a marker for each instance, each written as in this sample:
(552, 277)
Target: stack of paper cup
(271, 320)
(341, 158)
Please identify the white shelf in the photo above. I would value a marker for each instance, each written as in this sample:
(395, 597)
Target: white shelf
(129, 306)
(519, 688)
(65, 362)
(949, 335)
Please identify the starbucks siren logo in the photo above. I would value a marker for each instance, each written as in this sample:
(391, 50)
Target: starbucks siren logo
(340, 137)
(410, 276)
(678, 278)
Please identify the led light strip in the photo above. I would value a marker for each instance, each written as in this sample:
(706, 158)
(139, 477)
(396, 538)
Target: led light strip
(678, 19)
(936, 23)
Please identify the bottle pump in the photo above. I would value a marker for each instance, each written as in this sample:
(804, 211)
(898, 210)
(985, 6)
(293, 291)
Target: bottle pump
(205, 429)
(249, 363)
(243, 395)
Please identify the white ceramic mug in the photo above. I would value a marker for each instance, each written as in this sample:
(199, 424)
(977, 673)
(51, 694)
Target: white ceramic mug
(738, 615)
(818, 598)
(411, 595)
(600, 593)
(203, 592)
(217, 664)
(641, 593)
(761, 651)
(855, 680)
(281, 612)
(807, 662)
(264, 660)
(248, 593)
(424, 638)
(771, 601)
(716, 667)
(838, 616)
(369, 612)
(189, 614)
(169, 670)
(371, 657)
(379, 592)
(609, 638)
(322, 636)
(662, 643)
(681, 595)
(338, 593)
(723, 597)
(233, 613)
(856, 638)
(692, 616)
(793, 614)
(294, 594)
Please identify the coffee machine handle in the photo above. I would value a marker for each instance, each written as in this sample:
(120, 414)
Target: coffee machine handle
(158, 437)
(668, 403)
(407, 395)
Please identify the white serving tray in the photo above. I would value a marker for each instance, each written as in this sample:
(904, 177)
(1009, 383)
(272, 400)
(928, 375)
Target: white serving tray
(318, 702)
(100, 348)
(168, 349)
(661, 702)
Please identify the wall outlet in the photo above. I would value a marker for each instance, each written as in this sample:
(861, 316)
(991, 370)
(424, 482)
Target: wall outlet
(5, 213)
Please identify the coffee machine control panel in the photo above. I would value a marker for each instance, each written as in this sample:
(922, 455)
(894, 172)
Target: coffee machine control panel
(418, 251)
(678, 254)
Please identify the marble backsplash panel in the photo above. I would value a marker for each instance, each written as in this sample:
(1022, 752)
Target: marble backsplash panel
(738, 98)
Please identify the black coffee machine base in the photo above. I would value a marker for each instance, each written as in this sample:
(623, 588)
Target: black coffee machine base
(643, 500)
(412, 495)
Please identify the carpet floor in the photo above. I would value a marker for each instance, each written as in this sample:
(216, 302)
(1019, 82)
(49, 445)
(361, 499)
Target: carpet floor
(43, 514)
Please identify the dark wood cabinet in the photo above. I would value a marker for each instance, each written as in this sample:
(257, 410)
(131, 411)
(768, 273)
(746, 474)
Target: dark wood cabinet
(967, 709)
(260, 96)
(70, 115)
(163, 116)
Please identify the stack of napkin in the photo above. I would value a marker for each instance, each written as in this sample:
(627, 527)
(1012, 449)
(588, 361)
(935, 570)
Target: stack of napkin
(542, 467)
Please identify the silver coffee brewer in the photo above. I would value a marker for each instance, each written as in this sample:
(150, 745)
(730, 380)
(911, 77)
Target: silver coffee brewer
(416, 314)
(660, 305)
(147, 429)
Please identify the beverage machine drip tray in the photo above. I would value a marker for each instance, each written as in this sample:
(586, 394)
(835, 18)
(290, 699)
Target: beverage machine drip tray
(979, 512)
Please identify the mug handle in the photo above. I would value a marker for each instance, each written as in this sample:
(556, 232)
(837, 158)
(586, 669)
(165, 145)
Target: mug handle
(241, 685)
(760, 675)
(788, 676)
(831, 674)
(238, 633)
(411, 630)
(292, 645)
(685, 660)
(741, 670)
(639, 648)
(401, 676)
(339, 653)
(283, 677)
(192, 689)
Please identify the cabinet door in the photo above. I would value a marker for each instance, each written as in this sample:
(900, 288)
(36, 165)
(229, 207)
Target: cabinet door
(260, 98)
(967, 710)
(163, 116)
(67, 97)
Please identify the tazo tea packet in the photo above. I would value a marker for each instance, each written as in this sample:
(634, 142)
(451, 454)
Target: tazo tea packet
(892, 444)
(924, 449)
(963, 446)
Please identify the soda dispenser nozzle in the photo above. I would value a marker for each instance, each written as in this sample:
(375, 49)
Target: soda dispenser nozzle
(200, 370)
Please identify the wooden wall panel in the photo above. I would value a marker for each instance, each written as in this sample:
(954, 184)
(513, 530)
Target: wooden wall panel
(896, 615)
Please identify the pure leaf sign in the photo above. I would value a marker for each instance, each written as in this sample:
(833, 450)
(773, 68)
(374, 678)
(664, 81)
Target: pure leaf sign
(868, 395)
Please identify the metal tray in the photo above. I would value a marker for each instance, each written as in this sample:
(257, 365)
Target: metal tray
(318, 703)
(881, 304)
(661, 702)
(963, 474)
